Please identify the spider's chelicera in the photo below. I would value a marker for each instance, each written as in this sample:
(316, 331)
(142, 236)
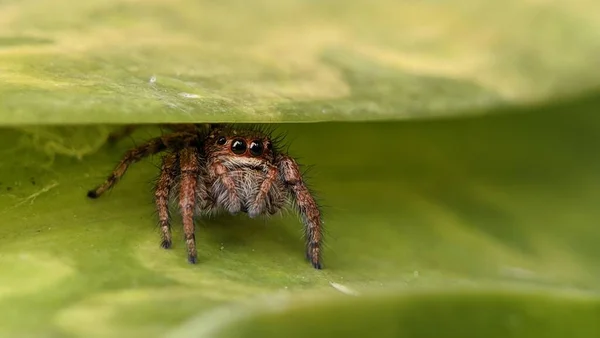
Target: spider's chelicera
(223, 168)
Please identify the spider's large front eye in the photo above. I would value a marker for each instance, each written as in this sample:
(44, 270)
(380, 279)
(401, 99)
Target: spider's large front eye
(256, 148)
(221, 140)
(238, 146)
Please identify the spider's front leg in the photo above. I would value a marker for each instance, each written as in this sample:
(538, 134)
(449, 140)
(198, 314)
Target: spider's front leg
(151, 147)
(190, 170)
(155, 145)
(306, 205)
(166, 180)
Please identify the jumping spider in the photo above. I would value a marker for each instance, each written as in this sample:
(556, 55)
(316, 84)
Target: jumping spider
(214, 168)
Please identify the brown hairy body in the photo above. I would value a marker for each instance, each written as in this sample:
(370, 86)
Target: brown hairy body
(222, 168)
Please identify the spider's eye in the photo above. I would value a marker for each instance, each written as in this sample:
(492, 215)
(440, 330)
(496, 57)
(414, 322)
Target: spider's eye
(221, 140)
(256, 148)
(238, 146)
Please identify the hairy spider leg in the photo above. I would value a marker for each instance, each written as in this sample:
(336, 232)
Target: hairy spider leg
(151, 147)
(174, 141)
(306, 206)
(190, 170)
(166, 181)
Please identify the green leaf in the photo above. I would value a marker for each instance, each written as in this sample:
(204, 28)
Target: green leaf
(473, 226)
(68, 62)
(502, 313)
(481, 226)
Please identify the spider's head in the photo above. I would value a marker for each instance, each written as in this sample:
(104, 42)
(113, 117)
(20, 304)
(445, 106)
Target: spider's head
(245, 146)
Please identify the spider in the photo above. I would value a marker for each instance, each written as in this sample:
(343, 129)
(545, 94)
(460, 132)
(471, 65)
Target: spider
(216, 168)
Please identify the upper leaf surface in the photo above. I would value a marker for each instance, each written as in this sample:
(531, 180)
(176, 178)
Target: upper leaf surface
(287, 60)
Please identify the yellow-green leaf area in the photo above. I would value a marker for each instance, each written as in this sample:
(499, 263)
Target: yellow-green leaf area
(481, 226)
(67, 62)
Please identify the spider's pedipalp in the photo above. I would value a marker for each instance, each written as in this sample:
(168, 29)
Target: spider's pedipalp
(306, 205)
(190, 170)
(166, 181)
(224, 188)
(259, 204)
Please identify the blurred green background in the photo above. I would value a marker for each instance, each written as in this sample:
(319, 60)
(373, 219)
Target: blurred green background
(456, 160)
